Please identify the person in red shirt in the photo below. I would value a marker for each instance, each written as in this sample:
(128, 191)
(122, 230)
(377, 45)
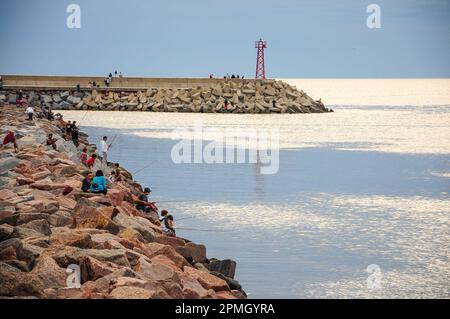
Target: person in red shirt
(10, 138)
(83, 156)
(90, 162)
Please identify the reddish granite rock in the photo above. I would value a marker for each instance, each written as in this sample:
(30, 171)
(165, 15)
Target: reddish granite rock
(208, 281)
(86, 215)
(142, 225)
(193, 290)
(8, 253)
(21, 284)
(171, 241)
(116, 196)
(22, 180)
(127, 292)
(155, 249)
(73, 238)
(47, 184)
(39, 225)
(103, 200)
(131, 234)
(7, 195)
(93, 269)
(156, 272)
(103, 284)
(164, 260)
(72, 255)
(50, 273)
(225, 295)
(66, 202)
(41, 174)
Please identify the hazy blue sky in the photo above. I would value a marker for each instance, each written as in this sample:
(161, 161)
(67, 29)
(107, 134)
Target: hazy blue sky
(316, 38)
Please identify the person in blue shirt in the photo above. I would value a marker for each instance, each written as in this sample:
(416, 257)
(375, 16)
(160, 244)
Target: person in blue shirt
(98, 183)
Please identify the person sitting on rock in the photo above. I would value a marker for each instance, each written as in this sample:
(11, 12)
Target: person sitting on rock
(10, 138)
(90, 162)
(112, 177)
(143, 205)
(117, 174)
(86, 183)
(167, 223)
(83, 156)
(51, 141)
(98, 184)
(164, 214)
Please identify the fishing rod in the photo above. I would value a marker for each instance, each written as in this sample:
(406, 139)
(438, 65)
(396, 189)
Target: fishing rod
(178, 219)
(84, 116)
(114, 138)
(198, 229)
(144, 167)
(176, 201)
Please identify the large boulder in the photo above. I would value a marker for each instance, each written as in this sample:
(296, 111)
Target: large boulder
(23, 218)
(21, 284)
(93, 269)
(7, 164)
(73, 237)
(226, 267)
(208, 281)
(73, 99)
(60, 218)
(140, 224)
(156, 249)
(130, 292)
(50, 273)
(103, 284)
(193, 252)
(192, 289)
(72, 255)
(5, 231)
(233, 284)
(156, 272)
(40, 225)
(88, 214)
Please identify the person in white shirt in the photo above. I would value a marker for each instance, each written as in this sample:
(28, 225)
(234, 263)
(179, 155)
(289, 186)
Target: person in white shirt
(30, 112)
(105, 148)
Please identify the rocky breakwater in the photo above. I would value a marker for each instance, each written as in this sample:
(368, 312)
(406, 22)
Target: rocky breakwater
(232, 96)
(44, 230)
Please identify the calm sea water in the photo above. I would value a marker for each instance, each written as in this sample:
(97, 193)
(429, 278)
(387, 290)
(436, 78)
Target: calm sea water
(366, 185)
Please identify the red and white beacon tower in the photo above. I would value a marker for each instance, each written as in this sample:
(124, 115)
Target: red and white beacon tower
(260, 68)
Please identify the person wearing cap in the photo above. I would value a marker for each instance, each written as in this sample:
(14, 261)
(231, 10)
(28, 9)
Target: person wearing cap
(143, 205)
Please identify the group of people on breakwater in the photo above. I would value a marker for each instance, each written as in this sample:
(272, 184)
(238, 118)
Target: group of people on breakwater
(96, 183)
(229, 77)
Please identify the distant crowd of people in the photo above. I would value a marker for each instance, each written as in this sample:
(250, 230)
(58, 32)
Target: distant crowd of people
(107, 80)
(229, 77)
